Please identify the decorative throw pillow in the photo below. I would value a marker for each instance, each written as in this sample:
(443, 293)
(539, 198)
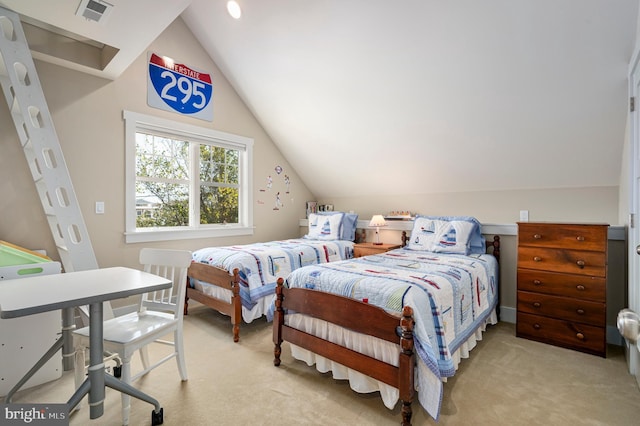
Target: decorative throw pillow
(324, 227)
(423, 234)
(452, 237)
(445, 234)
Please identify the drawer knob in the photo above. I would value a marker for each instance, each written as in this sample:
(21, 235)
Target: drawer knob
(580, 238)
(537, 236)
(536, 326)
(580, 287)
(537, 282)
(580, 336)
(537, 259)
(537, 304)
(580, 264)
(580, 311)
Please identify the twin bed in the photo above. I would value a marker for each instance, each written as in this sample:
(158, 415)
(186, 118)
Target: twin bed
(394, 323)
(240, 281)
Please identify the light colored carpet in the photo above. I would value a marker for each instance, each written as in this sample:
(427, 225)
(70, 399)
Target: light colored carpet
(506, 381)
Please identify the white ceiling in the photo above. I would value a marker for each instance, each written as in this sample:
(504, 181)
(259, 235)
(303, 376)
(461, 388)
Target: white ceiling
(368, 97)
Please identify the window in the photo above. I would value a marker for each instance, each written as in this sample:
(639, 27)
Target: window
(185, 181)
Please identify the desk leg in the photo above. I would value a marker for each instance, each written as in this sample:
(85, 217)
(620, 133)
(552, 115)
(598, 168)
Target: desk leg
(96, 361)
(68, 351)
(97, 379)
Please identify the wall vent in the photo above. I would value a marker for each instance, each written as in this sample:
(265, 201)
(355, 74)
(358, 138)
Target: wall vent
(94, 10)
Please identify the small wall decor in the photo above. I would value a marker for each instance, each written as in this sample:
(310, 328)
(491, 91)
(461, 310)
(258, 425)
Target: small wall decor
(278, 184)
(312, 207)
(278, 202)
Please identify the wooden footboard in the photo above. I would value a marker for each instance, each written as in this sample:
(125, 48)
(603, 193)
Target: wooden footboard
(379, 323)
(221, 278)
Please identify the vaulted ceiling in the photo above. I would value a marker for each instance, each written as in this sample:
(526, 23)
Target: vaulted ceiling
(369, 97)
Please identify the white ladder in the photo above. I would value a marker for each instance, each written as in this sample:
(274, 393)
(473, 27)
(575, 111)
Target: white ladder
(30, 113)
(23, 93)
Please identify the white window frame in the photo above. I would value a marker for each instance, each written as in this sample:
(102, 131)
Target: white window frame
(136, 122)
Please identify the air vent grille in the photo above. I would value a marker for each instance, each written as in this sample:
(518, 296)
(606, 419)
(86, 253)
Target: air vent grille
(94, 10)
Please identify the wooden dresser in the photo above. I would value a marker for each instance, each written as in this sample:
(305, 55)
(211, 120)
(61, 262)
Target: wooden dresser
(562, 285)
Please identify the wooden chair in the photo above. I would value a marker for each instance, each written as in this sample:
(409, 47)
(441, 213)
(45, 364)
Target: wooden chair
(159, 314)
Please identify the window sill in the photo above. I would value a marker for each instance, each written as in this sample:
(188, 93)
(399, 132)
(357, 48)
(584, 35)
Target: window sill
(186, 234)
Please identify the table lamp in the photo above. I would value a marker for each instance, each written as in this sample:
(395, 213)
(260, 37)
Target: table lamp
(377, 221)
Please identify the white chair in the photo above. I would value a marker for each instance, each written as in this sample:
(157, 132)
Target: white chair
(159, 313)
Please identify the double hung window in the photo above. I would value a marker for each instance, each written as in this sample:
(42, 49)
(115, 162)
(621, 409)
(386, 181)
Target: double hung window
(184, 181)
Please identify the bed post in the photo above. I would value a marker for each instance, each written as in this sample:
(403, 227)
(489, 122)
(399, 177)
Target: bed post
(406, 365)
(405, 239)
(236, 316)
(186, 297)
(495, 245)
(278, 322)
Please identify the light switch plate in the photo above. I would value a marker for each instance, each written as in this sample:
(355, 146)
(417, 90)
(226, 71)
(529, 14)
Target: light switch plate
(524, 215)
(99, 207)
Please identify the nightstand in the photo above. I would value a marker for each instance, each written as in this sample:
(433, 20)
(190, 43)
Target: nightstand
(365, 249)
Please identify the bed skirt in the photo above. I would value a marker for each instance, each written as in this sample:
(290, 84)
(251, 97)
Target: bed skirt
(248, 315)
(428, 386)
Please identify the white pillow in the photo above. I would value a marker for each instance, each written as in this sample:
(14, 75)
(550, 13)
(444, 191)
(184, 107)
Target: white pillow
(453, 237)
(324, 227)
(441, 236)
(423, 234)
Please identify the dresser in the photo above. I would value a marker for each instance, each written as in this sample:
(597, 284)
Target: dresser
(365, 249)
(562, 285)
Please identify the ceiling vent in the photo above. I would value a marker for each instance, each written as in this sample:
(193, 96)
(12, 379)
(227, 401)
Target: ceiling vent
(94, 10)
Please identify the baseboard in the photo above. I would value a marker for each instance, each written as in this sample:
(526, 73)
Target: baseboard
(508, 314)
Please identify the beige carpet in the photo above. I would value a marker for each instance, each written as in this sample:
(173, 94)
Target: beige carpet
(506, 381)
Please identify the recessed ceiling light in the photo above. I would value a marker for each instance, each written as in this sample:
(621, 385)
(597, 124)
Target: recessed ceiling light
(234, 9)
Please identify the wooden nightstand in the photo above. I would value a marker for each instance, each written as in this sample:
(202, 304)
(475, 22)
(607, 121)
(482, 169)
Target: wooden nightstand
(365, 249)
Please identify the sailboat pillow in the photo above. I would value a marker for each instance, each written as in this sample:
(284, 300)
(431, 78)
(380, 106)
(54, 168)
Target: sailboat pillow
(443, 236)
(324, 227)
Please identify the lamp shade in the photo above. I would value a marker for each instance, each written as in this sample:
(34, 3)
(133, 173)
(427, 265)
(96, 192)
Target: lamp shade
(377, 220)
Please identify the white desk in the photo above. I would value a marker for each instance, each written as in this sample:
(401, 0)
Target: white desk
(33, 295)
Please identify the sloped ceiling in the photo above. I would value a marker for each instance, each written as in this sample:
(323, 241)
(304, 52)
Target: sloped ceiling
(375, 97)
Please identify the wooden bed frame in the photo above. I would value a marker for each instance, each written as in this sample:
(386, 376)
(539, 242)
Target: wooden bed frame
(379, 323)
(221, 278)
(225, 279)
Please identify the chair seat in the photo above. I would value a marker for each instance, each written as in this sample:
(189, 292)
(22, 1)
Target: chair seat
(130, 327)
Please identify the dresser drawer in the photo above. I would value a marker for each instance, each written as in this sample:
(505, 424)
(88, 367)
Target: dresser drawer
(577, 237)
(578, 286)
(557, 260)
(565, 308)
(563, 333)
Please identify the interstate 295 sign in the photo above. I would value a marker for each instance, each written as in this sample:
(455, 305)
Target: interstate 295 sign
(179, 88)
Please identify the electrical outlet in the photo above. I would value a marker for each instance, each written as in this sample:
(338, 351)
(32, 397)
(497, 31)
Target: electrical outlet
(99, 207)
(524, 215)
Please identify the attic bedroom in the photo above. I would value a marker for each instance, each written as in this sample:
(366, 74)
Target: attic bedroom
(360, 137)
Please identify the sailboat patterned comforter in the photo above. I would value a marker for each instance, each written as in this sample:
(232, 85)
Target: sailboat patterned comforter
(451, 295)
(261, 264)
